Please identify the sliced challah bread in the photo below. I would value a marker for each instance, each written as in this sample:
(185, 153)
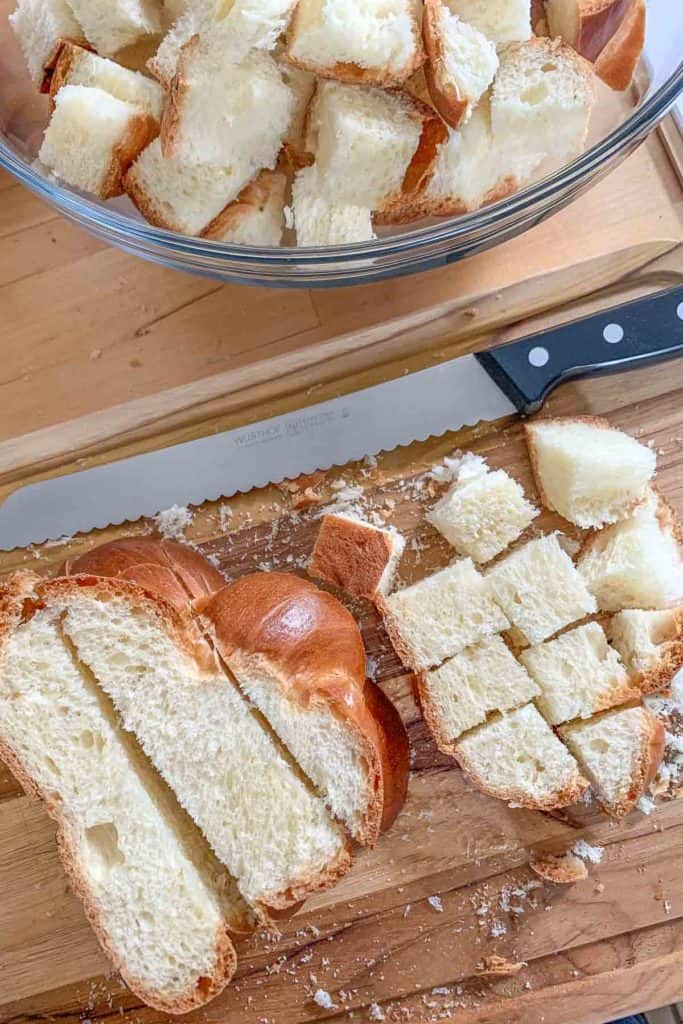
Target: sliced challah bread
(356, 556)
(146, 879)
(609, 33)
(651, 645)
(503, 21)
(112, 24)
(256, 217)
(320, 220)
(78, 66)
(42, 26)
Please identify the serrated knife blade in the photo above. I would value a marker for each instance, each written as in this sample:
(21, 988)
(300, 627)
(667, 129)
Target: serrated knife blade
(463, 391)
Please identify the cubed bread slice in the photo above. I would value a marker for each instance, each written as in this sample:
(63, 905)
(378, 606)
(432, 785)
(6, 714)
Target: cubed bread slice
(517, 757)
(503, 21)
(636, 563)
(112, 24)
(182, 197)
(588, 471)
(371, 145)
(260, 818)
(464, 691)
(461, 63)
(482, 514)
(578, 674)
(322, 221)
(298, 655)
(356, 556)
(373, 42)
(194, 19)
(651, 645)
(223, 114)
(539, 589)
(93, 138)
(41, 26)
(143, 875)
(620, 752)
(440, 615)
(256, 217)
(77, 66)
(609, 33)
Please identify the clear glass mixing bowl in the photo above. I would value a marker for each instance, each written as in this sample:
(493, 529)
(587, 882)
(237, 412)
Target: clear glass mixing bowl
(620, 123)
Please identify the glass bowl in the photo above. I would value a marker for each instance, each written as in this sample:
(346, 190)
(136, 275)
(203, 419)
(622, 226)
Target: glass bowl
(620, 122)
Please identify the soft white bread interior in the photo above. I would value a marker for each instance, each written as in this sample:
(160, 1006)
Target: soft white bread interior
(77, 66)
(274, 836)
(256, 217)
(461, 63)
(374, 42)
(41, 26)
(464, 691)
(302, 85)
(440, 615)
(112, 24)
(178, 196)
(298, 655)
(578, 674)
(586, 470)
(322, 221)
(620, 752)
(539, 589)
(355, 556)
(650, 644)
(143, 876)
(193, 19)
(482, 512)
(609, 33)
(637, 562)
(503, 21)
(93, 138)
(517, 757)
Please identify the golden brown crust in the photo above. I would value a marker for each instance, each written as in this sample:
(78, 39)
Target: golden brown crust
(668, 662)
(443, 91)
(142, 129)
(434, 134)
(351, 555)
(446, 744)
(178, 89)
(51, 60)
(252, 198)
(423, 205)
(400, 644)
(300, 888)
(152, 212)
(618, 59)
(394, 751)
(66, 56)
(561, 869)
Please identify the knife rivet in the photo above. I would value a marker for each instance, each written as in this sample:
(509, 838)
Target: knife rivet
(613, 334)
(539, 356)
(679, 310)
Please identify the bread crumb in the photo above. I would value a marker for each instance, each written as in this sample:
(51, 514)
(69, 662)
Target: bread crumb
(375, 1012)
(435, 903)
(225, 514)
(499, 965)
(645, 805)
(173, 521)
(586, 851)
(324, 999)
(95, 354)
(407, 909)
(497, 929)
(289, 217)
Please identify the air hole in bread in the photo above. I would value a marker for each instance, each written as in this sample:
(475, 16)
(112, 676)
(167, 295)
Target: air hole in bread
(602, 746)
(535, 94)
(52, 766)
(102, 843)
(549, 66)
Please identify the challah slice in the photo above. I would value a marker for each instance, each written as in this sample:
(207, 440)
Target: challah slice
(356, 556)
(256, 217)
(651, 645)
(585, 469)
(145, 878)
(503, 21)
(42, 26)
(77, 66)
(609, 33)
(112, 24)
(620, 752)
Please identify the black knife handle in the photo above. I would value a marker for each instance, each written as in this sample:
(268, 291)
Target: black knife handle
(634, 334)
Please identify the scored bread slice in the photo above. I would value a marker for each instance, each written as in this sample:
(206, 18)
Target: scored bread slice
(440, 615)
(274, 836)
(298, 655)
(112, 24)
(585, 469)
(539, 589)
(322, 221)
(637, 562)
(517, 757)
(651, 645)
(609, 33)
(464, 691)
(503, 21)
(42, 26)
(372, 42)
(482, 512)
(144, 878)
(620, 752)
(78, 66)
(461, 63)
(256, 217)
(356, 556)
(578, 674)
(93, 138)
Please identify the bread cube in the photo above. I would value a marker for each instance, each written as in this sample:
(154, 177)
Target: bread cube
(195, 19)
(322, 221)
(482, 514)
(517, 757)
(77, 66)
(637, 562)
(578, 674)
(610, 33)
(503, 21)
(41, 26)
(586, 470)
(438, 616)
(461, 63)
(620, 753)
(302, 86)
(256, 217)
(93, 138)
(651, 645)
(112, 24)
(539, 589)
(374, 42)
(463, 691)
(356, 556)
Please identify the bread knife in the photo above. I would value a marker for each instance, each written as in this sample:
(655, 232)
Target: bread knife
(513, 378)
